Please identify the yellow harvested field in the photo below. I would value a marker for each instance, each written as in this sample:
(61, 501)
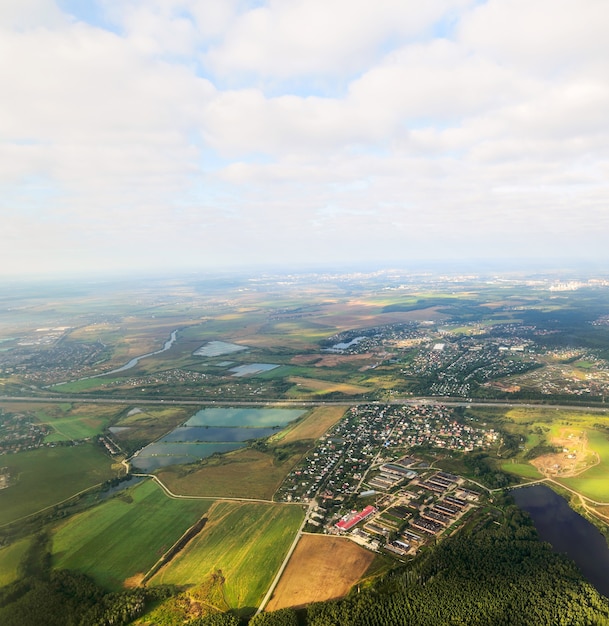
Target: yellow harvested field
(243, 473)
(315, 425)
(327, 386)
(332, 360)
(321, 568)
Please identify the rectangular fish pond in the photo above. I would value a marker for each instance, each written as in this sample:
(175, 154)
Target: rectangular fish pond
(211, 431)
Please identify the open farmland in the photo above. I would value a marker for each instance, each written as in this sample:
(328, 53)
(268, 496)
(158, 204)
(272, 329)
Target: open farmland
(125, 536)
(321, 387)
(248, 473)
(246, 542)
(321, 568)
(313, 426)
(47, 476)
(72, 422)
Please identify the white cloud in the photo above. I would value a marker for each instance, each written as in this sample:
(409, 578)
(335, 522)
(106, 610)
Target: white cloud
(548, 36)
(288, 38)
(489, 138)
(26, 14)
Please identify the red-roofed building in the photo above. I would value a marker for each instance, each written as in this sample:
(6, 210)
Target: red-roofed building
(355, 518)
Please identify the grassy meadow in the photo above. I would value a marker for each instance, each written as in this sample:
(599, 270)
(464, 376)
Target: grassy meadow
(246, 541)
(11, 557)
(245, 473)
(48, 476)
(542, 426)
(125, 536)
(317, 387)
(74, 422)
(594, 483)
(523, 470)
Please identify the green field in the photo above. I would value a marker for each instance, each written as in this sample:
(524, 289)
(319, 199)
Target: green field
(48, 476)
(246, 541)
(10, 560)
(69, 421)
(83, 385)
(74, 428)
(594, 482)
(125, 536)
(521, 469)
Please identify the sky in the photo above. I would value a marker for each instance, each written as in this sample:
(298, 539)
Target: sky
(203, 134)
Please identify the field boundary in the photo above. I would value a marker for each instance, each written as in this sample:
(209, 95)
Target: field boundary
(50, 506)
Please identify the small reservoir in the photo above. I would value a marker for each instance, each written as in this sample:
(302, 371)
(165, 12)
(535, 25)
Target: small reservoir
(568, 532)
(211, 431)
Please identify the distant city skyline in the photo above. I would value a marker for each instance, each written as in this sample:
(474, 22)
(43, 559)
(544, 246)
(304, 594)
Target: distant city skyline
(198, 135)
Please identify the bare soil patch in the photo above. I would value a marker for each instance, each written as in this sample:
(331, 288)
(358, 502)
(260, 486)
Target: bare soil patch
(305, 359)
(574, 456)
(321, 568)
(133, 581)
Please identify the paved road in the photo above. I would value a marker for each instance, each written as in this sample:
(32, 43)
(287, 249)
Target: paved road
(305, 403)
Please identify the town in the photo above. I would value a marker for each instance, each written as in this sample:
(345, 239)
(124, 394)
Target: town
(365, 459)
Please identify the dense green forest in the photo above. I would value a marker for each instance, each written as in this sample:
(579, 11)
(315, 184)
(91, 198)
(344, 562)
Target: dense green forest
(496, 572)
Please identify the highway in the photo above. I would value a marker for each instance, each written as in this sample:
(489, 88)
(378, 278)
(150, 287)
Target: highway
(416, 400)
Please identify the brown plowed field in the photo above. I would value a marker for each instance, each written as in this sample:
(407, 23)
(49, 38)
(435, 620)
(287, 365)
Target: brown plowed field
(321, 568)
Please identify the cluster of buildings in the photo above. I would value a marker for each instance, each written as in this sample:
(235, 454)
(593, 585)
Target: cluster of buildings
(460, 361)
(47, 359)
(19, 432)
(357, 453)
(406, 519)
(167, 377)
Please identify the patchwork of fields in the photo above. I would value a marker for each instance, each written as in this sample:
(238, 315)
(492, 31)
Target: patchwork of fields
(407, 336)
(245, 541)
(125, 536)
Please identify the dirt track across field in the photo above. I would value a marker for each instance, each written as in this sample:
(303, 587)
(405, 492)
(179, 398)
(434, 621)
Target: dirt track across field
(321, 568)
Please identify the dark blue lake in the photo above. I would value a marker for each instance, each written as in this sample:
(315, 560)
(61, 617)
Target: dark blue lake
(568, 532)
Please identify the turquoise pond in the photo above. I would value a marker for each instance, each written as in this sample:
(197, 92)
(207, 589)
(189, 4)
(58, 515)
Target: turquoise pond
(158, 455)
(194, 434)
(244, 417)
(211, 431)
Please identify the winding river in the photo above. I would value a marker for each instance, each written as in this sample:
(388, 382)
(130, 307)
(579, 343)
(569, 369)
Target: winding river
(137, 359)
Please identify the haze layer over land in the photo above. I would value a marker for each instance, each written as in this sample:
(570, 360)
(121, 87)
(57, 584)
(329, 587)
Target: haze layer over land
(184, 133)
